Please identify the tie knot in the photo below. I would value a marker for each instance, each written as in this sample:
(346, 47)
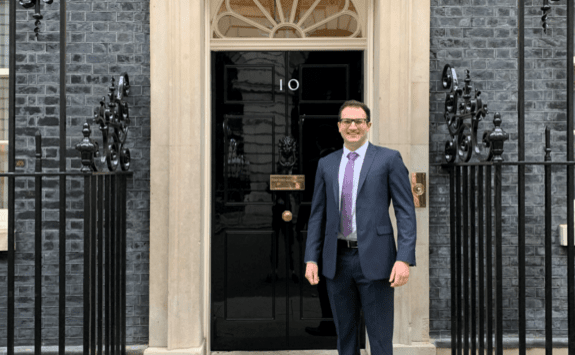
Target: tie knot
(352, 156)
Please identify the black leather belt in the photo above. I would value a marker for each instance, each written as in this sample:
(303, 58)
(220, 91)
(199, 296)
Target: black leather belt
(346, 243)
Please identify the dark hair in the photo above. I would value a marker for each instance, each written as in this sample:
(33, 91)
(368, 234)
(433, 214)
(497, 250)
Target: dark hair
(354, 103)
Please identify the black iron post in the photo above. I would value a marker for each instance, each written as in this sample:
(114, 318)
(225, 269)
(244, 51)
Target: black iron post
(465, 211)
(11, 168)
(548, 266)
(489, 261)
(521, 169)
(458, 255)
(480, 207)
(453, 250)
(38, 249)
(62, 188)
(570, 181)
(87, 264)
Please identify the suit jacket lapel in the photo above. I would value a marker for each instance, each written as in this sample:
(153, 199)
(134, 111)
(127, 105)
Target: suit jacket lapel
(369, 156)
(335, 164)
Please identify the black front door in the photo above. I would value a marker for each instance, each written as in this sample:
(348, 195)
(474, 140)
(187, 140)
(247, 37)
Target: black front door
(260, 297)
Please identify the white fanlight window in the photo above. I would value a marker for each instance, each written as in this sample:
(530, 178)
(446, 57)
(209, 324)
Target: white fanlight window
(286, 19)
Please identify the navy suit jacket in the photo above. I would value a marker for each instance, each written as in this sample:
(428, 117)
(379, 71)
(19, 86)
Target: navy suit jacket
(383, 178)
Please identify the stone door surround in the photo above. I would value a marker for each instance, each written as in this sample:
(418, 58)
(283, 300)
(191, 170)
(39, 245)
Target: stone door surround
(397, 52)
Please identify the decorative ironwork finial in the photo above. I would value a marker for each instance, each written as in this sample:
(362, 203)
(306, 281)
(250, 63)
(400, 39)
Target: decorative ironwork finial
(114, 121)
(464, 109)
(88, 150)
(495, 139)
(546, 8)
(37, 14)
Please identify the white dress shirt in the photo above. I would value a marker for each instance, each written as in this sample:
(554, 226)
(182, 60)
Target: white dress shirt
(357, 164)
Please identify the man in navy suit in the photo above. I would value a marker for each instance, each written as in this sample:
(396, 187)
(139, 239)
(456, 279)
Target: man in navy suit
(354, 186)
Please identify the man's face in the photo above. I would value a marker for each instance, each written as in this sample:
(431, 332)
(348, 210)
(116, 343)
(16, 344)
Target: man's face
(354, 135)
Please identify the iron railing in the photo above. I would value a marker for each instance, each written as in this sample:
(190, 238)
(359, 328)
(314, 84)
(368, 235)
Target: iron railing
(476, 190)
(104, 288)
(104, 212)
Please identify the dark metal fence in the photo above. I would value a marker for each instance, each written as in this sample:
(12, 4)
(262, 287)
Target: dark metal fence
(104, 260)
(104, 288)
(476, 190)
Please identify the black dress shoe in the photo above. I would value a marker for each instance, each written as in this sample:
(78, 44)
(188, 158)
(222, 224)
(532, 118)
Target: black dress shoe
(324, 329)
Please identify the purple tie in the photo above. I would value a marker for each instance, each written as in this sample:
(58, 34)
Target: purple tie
(346, 194)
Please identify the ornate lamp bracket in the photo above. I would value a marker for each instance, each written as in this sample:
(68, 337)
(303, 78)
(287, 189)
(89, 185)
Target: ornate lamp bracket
(37, 14)
(464, 109)
(113, 121)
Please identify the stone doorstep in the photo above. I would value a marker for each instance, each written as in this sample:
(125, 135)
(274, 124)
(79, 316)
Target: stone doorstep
(414, 349)
(70, 350)
(288, 352)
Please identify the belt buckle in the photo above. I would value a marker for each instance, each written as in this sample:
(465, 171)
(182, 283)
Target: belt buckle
(349, 244)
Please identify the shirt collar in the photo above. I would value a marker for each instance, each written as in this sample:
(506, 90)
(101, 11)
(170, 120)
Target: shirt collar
(360, 151)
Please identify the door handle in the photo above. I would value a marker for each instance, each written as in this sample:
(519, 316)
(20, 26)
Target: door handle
(287, 216)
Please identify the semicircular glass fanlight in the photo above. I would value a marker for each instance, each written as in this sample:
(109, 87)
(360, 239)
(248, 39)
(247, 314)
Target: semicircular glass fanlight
(286, 19)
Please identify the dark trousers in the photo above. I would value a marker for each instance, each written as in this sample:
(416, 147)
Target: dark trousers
(348, 291)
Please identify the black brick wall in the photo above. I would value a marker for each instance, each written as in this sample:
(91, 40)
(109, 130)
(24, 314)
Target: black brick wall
(481, 35)
(105, 38)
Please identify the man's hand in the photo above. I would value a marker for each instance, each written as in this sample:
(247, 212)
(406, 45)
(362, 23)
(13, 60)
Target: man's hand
(311, 273)
(399, 274)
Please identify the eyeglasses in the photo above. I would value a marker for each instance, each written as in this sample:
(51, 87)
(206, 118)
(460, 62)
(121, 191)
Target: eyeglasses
(358, 122)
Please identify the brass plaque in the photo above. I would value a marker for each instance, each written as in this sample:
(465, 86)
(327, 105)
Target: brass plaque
(287, 182)
(418, 185)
